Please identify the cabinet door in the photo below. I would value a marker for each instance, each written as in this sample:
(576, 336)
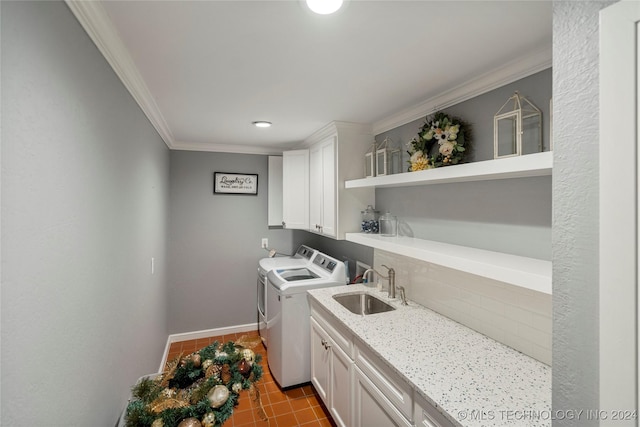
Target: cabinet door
(340, 386)
(371, 408)
(275, 191)
(315, 188)
(322, 188)
(295, 189)
(428, 416)
(329, 212)
(320, 361)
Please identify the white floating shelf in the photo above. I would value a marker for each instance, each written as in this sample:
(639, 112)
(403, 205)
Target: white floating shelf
(530, 165)
(530, 273)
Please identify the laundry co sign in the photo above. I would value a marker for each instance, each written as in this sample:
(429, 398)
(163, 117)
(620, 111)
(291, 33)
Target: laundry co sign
(235, 183)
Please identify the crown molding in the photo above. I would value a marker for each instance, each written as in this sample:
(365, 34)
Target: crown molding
(336, 127)
(228, 148)
(95, 21)
(527, 65)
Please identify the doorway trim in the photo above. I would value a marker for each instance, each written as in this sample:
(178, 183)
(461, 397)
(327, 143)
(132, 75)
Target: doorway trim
(618, 334)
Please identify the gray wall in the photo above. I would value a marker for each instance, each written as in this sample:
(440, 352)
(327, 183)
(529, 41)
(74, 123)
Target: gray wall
(512, 216)
(575, 199)
(215, 242)
(85, 188)
(479, 112)
(339, 249)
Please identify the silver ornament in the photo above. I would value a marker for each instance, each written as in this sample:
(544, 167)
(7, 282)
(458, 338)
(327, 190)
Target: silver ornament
(217, 396)
(190, 422)
(209, 419)
(206, 364)
(236, 387)
(157, 423)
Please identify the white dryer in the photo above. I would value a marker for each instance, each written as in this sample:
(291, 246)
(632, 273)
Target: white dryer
(288, 316)
(303, 256)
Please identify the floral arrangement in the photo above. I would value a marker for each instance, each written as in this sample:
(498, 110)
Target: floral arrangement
(451, 135)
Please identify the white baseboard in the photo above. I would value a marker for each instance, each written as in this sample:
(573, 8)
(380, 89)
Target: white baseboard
(187, 336)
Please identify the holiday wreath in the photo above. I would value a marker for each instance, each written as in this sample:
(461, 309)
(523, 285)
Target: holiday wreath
(199, 389)
(440, 142)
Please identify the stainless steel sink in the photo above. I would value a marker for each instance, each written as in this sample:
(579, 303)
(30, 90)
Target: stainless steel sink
(362, 303)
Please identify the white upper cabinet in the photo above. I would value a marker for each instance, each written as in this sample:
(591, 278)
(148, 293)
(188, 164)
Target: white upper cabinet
(295, 189)
(335, 154)
(275, 191)
(322, 182)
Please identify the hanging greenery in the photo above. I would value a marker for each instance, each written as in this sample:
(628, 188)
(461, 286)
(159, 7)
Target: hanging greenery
(200, 389)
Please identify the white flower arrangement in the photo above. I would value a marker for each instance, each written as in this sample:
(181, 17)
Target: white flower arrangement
(451, 134)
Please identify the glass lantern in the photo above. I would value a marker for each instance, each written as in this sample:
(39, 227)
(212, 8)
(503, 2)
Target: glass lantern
(388, 158)
(517, 128)
(370, 161)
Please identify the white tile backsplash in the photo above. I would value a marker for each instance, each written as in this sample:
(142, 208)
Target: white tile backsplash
(514, 316)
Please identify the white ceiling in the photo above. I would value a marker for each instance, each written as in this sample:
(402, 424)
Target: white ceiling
(204, 70)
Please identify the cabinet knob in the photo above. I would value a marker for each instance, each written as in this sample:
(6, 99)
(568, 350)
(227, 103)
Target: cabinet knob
(284, 224)
(325, 344)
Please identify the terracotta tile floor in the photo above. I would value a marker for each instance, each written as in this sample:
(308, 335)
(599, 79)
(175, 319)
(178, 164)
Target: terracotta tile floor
(300, 406)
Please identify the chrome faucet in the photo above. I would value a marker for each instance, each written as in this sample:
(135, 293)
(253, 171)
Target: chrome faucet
(403, 296)
(391, 278)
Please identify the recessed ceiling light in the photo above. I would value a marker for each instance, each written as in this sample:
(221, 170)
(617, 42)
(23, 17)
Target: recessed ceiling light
(324, 7)
(262, 124)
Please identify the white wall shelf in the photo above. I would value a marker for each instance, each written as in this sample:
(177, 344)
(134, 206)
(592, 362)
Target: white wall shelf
(530, 273)
(530, 165)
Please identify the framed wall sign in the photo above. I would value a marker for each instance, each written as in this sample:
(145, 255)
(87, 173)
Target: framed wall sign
(235, 183)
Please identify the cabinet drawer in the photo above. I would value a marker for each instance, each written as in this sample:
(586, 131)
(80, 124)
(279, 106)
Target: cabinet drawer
(426, 415)
(339, 333)
(392, 385)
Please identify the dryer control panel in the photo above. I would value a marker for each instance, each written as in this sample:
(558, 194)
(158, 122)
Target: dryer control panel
(325, 262)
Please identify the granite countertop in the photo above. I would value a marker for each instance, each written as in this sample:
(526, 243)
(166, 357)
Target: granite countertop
(475, 380)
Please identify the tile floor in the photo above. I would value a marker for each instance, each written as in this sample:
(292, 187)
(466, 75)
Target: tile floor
(300, 406)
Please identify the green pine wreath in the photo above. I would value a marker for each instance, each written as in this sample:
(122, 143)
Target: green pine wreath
(181, 391)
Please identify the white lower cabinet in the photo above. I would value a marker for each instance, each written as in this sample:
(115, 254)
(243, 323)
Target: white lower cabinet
(358, 388)
(331, 375)
(426, 415)
(372, 408)
(320, 361)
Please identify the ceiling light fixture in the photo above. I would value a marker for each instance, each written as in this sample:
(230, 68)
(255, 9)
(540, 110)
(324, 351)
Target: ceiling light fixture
(324, 7)
(262, 124)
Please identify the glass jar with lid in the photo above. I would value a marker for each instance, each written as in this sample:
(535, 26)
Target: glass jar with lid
(369, 223)
(388, 225)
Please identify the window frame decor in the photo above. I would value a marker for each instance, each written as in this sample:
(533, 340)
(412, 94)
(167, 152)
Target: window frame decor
(522, 109)
(370, 161)
(235, 183)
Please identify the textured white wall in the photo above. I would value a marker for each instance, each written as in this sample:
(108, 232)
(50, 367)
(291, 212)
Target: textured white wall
(575, 204)
(85, 185)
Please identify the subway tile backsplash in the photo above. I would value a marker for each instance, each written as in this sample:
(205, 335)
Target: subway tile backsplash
(517, 317)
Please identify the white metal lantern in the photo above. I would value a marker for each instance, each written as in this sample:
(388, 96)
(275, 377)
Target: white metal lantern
(370, 162)
(388, 158)
(517, 128)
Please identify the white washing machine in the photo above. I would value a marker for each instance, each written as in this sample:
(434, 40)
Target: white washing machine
(303, 256)
(288, 316)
